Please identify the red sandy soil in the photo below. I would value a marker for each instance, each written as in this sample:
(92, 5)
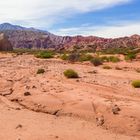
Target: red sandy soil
(67, 109)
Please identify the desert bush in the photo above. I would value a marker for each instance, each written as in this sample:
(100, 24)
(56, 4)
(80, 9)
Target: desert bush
(96, 61)
(85, 57)
(130, 56)
(113, 59)
(136, 84)
(40, 71)
(44, 54)
(117, 50)
(64, 57)
(106, 67)
(105, 59)
(73, 57)
(71, 73)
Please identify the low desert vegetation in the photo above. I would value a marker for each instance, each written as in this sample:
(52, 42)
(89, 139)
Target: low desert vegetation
(40, 71)
(107, 67)
(74, 57)
(136, 83)
(113, 59)
(85, 57)
(130, 56)
(70, 73)
(64, 57)
(44, 54)
(118, 50)
(96, 61)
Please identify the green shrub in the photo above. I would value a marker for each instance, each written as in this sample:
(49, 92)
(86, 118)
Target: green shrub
(106, 67)
(105, 59)
(85, 57)
(117, 50)
(73, 57)
(96, 61)
(40, 71)
(64, 57)
(130, 56)
(44, 54)
(71, 73)
(113, 59)
(136, 84)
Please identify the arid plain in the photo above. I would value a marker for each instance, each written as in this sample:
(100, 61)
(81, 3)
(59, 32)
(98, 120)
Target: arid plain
(100, 105)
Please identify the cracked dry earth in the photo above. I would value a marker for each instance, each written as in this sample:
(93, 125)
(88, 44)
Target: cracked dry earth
(100, 105)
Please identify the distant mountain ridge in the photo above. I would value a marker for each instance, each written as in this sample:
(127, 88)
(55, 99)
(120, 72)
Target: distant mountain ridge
(22, 37)
(8, 26)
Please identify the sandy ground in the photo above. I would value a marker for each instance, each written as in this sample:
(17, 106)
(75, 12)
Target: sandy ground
(100, 105)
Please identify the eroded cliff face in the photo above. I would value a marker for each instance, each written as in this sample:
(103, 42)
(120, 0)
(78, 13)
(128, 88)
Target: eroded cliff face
(44, 40)
(5, 44)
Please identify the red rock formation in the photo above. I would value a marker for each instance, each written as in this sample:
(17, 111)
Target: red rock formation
(44, 40)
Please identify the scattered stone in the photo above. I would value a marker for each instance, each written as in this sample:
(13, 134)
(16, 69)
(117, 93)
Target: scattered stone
(115, 109)
(19, 126)
(14, 100)
(56, 137)
(93, 72)
(100, 120)
(17, 108)
(27, 93)
(27, 87)
(33, 86)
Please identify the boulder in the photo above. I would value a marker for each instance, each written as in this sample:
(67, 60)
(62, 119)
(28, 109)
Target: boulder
(5, 44)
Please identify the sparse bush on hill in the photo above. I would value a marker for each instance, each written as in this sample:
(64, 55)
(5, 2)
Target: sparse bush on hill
(136, 84)
(40, 71)
(71, 73)
(64, 57)
(117, 50)
(85, 57)
(44, 54)
(130, 56)
(113, 59)
(96, 61)
(74, 57)
(105, 59)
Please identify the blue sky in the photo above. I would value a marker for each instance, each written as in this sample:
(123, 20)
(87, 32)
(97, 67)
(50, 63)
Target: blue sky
(105, 18)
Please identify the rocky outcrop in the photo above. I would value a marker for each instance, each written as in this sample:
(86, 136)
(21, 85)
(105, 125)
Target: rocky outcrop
(97, 43)
(5, 44)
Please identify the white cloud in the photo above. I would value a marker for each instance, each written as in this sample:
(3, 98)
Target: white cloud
(46, 12)
(109, 31)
